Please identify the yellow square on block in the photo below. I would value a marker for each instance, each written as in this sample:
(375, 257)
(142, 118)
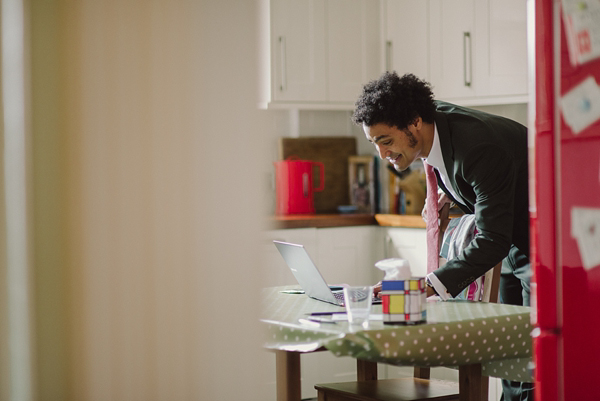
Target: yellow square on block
(397, 303)
(414, 284)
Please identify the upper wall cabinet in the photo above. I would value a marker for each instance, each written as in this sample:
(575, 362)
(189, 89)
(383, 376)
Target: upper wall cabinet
(474, 52)
(451, 46)
(298, 50)
(320, 53)
(407, 37)
(354, 46)
(507, 47)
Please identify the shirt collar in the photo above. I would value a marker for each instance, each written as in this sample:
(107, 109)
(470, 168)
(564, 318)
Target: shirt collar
(435, 157)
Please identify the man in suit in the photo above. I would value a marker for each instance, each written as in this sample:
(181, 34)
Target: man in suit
(480, 162)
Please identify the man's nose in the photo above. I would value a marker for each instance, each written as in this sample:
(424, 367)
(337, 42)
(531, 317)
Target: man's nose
(381, 151)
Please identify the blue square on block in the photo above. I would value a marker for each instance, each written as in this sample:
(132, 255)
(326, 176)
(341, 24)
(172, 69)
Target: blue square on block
(392, 285)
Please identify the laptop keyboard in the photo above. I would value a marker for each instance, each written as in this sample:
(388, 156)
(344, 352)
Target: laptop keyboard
(339, 296)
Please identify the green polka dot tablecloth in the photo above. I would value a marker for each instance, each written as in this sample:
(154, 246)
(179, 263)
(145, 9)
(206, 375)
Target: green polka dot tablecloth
(456, 333)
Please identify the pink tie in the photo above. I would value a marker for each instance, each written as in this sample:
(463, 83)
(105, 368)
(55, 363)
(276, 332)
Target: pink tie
(432, 223)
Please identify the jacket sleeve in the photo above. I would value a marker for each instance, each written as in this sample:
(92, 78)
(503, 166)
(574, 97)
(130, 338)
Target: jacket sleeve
(491, 174)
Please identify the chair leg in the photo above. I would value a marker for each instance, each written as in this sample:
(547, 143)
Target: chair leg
(366, 370)
(288, 376)
(470, 383)
(422, 373)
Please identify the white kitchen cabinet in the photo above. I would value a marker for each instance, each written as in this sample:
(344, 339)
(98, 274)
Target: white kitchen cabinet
(473, 52)
(319, 53)
(347, 255)
(298, 52)
(407, 37)
(478, 51)
(275, 270)
(409, 244)
(353, 47)
(343, 255)
(507, 45)
(452, 45)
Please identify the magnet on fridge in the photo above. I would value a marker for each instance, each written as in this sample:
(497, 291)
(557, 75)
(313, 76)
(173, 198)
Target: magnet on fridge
(581, 105)
(585, 228)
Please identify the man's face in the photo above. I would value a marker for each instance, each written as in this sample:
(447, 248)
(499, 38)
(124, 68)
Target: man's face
(399, 147)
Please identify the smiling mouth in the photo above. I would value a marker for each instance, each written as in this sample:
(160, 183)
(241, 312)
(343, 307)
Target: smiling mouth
(394, 159)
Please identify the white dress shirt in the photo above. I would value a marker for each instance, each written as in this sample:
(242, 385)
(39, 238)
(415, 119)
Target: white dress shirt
(436, 160)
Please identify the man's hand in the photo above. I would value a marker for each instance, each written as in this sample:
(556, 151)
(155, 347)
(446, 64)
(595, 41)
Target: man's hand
(442, 200)
(430, 291)
(377, 290)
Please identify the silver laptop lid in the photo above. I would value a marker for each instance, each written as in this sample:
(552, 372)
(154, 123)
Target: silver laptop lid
(306, 272)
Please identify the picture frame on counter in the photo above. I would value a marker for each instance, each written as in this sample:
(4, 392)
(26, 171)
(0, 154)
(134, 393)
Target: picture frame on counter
(362, 183)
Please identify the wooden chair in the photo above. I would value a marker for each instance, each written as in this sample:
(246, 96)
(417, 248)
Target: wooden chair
(389, 390)
(420, 387)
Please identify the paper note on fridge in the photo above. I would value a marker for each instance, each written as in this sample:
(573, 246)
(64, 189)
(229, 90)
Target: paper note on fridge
(582, 26)
(581, 105)
(585, 228)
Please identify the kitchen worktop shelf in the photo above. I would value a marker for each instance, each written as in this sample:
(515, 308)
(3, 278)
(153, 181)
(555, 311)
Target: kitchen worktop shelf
(345, 220)
(322, 220)
(400, 220)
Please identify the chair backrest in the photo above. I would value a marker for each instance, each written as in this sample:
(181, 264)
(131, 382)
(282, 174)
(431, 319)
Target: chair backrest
(490, 292)
(491, 279)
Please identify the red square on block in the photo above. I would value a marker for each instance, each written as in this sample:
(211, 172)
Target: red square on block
(385, 303)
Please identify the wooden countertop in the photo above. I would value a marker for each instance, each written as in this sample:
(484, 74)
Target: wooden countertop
(400, 220)
(322, 220)
(345, 220)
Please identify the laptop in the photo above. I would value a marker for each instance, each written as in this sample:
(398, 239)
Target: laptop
(307, 274)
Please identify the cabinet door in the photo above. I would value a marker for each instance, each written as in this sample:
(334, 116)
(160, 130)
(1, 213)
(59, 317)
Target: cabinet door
(452, 45)
(409, 244)
(298, 50)
(507, 47)
(275, 271)
(343, 255)
(406, 37)
(353, 47)
(347, 255)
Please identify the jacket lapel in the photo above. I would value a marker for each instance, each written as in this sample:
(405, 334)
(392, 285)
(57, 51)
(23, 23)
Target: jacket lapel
(448, 156)
(447, 151)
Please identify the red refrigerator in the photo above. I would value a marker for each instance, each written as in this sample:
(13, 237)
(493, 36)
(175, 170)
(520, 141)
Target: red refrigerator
(564, 50)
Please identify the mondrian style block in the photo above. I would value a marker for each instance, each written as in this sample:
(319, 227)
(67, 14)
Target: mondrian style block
(404, 301)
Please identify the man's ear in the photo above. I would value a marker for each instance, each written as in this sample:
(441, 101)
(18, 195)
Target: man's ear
(417, 122)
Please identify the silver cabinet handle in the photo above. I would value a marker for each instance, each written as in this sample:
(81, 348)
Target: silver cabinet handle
(283, 82)
(467, 61)
(389, 47)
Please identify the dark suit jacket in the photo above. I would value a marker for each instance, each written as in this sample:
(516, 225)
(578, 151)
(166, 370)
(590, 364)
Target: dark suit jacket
(486, 160)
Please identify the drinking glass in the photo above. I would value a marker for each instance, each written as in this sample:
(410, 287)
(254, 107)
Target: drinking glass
(358, 304)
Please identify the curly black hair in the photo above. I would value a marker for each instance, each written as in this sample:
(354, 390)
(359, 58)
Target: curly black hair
(394, 101)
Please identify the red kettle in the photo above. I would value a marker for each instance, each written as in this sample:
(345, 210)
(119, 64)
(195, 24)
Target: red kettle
(294, 185)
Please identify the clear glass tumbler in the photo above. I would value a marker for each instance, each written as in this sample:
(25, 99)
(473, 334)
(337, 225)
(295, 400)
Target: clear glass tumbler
(358, 304)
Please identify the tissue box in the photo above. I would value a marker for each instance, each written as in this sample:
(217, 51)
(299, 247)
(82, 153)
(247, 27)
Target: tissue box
(404, 301)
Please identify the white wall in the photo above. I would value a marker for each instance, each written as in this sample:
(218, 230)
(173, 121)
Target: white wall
(305, 123)
(517, 112)
(338, 123)
(147, 176)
